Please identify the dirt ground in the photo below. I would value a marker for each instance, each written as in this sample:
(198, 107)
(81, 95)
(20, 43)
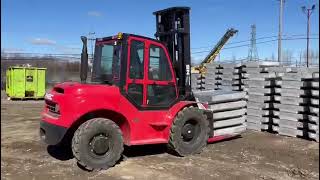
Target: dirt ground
(255, 155)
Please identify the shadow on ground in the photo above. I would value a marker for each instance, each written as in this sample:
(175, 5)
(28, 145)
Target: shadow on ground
(227, 139)
(144, 150)
(62, 153)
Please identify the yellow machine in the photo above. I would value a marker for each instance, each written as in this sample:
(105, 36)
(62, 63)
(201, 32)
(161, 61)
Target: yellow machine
(201, 68)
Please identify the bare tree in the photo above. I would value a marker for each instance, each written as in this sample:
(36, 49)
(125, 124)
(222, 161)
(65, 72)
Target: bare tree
(287, 56)
(313, 57)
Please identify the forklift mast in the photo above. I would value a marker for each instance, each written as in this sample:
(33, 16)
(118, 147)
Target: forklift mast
(173, 30)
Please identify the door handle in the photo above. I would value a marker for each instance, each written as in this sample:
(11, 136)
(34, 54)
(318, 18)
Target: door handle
(171, 83)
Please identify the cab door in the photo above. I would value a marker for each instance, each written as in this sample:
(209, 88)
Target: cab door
(150, 89)
(135, 79)
(150, 83)
(161, 89)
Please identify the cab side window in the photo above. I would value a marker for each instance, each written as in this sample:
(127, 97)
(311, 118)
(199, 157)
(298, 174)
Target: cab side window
(159, 68)
(159, 93)
(135, 89)
(136, 59)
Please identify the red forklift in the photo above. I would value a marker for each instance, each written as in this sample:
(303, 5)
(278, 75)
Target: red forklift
(139, 93)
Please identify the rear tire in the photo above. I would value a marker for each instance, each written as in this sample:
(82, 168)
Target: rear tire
(189, 132)
(97, 144)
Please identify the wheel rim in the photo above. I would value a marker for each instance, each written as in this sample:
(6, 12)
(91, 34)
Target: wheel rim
(190, 131)
(99, 144)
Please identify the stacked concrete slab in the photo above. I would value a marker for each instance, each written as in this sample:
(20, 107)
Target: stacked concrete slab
(212, 79)
(313, 118)
(240, 76)
(224, 76)
(197, 81)
(228, 110)
(261, 88)
(231, 75)
(297, 100)
(293, 106)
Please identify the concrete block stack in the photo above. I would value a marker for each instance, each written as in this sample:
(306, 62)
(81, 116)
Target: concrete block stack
(231, 75)
(261, 87)
(239, 78)
(225, 76)
(197, 81)
(273, 98)
(212, 76)
(297, 100)
(211, 79)
(293, 105)
(228, 110)
(313, 118)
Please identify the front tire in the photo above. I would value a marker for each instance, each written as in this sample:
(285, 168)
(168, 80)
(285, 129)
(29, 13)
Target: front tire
(97, 144)
(189, 132)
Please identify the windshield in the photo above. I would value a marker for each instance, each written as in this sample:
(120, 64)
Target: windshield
(106, 64)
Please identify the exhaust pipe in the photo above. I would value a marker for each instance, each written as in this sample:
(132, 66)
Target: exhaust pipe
(84, 60)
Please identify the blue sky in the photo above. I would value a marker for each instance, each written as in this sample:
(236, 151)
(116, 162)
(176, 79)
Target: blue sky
(40, 26)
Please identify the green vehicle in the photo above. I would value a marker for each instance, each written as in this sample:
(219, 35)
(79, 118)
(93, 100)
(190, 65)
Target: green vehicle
(25, 82)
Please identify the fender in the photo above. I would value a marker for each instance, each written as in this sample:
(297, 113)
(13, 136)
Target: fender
(172, 113)
(86, 106)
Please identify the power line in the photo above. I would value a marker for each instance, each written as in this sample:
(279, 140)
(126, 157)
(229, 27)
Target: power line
(237, 42)
(266, 37)
(197, 52)
(259, 43)
(245, 45)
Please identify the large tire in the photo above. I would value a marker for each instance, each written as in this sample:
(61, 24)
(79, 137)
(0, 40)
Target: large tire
(90, 140)
(180, 140)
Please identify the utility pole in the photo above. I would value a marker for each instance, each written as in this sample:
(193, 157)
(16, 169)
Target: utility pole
(280, 31)
(308, 12)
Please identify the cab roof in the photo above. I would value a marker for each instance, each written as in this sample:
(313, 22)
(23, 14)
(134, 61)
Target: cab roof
(125, 36)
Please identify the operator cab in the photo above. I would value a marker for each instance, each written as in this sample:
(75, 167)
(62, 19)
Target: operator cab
(149, 72)
(139, 66)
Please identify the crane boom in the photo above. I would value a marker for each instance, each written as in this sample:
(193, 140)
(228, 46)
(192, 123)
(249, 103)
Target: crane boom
(214, 52)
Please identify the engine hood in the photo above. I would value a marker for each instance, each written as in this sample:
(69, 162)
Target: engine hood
(77, 88)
